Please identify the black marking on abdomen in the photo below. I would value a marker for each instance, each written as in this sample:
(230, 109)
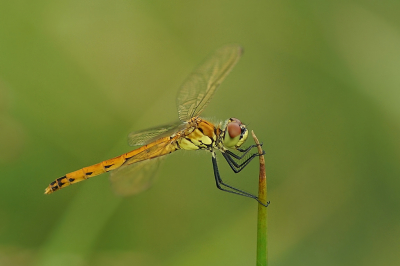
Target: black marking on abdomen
(53, 183)
(108, 166)
(59, 183)
(89, 173)
(71, 179)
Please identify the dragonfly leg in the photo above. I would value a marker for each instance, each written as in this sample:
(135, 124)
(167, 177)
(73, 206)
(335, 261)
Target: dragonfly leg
(227, 188)
(236, 167)
(244, 151)
(250, 147)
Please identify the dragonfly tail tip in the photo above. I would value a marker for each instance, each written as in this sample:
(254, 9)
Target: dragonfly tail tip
(48, 191)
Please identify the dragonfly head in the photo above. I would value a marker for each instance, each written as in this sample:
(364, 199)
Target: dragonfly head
(235, 133)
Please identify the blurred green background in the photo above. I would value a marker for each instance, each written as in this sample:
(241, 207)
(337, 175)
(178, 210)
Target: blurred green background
(319, 82)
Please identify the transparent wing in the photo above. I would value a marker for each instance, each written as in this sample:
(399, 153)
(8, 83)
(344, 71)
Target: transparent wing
(138, 172)
(149, 135)
(132, 179)
(202, 83)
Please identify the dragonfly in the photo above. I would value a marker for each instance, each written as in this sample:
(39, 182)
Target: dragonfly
(134, 171)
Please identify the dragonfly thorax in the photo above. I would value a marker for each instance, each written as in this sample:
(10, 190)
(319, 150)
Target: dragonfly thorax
(199, 135)
(234, 134)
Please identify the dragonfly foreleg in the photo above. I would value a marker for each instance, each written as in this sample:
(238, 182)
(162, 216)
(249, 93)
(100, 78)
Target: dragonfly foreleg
(244, 151)
(236, 167)
(227, 188)
(249, 148)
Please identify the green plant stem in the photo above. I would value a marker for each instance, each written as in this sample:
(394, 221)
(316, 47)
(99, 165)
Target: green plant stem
(262, 226)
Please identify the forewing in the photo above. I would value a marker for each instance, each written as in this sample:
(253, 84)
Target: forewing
(131, 179)
(149, 135)
(200, 86)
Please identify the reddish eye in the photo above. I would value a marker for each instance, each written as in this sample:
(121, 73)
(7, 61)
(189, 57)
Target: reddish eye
(234, 129)
(236, 120)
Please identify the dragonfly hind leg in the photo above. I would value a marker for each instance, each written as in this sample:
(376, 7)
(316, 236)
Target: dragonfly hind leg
(227, 188)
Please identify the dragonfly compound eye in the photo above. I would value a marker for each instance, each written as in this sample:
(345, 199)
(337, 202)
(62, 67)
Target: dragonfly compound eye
(235, 135)
(234, 129)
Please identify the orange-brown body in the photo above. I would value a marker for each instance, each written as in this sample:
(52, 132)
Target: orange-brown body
(199, 134)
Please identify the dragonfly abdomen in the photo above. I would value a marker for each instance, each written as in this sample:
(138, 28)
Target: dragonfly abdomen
(140, 154)
(85, 173)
